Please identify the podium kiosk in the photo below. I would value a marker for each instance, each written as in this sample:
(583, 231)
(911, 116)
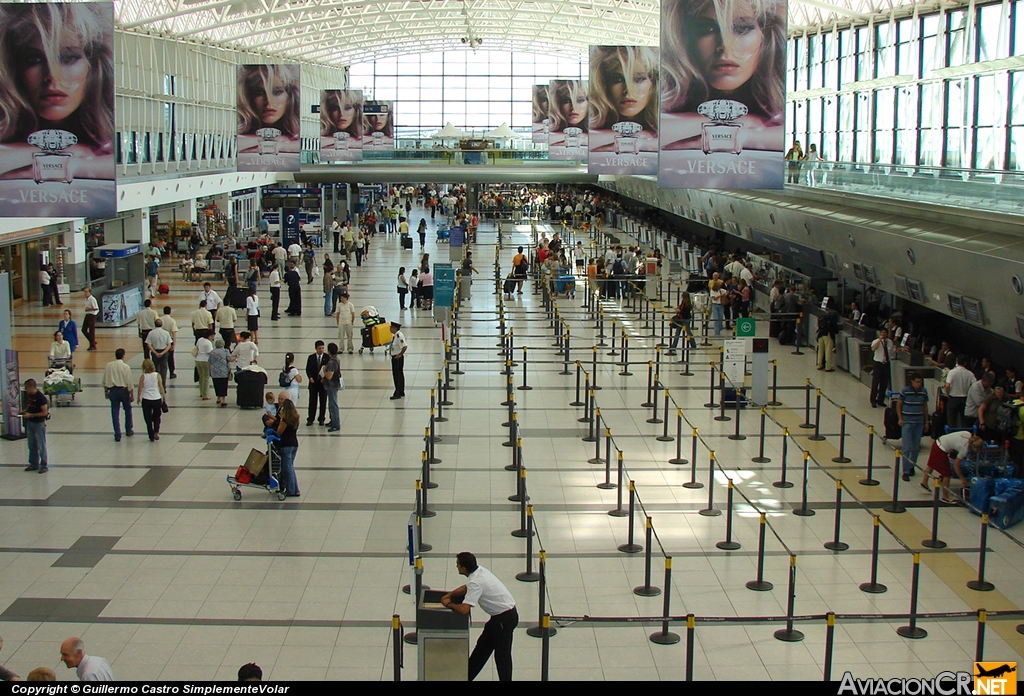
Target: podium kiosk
(442, 644)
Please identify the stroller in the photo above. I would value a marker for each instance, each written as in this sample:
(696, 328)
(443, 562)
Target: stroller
(261, 470)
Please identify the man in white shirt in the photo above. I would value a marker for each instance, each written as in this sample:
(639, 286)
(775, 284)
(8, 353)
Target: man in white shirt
(280, 258)
(397, 352)
(275, 294)
(226, 318)
(159, 343)
(484, 590)
(245, 353)
(89, 667)
(958, 383)
(213, 301)
(294, 252)
(884, 352)
(336, 234)
(147, 322)
(170, 326)
(92, 310)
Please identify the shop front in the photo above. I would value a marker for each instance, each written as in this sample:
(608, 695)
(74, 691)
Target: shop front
(25, 252)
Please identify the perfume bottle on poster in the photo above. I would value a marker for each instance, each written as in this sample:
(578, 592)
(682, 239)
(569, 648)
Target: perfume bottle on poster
(52, 163)
(721, 134)
(627, 140)
(341, 141)
(268, 140)
(572, 136)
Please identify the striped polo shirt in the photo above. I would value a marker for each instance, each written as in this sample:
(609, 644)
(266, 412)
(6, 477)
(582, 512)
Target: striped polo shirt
(915, 403)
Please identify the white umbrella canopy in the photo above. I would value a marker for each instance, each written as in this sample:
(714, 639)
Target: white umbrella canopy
(502, 131)
(449, 132)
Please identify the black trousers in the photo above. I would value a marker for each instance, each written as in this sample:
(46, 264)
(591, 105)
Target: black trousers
(170, 362)
(144, 334)
(151, 412)
(880, 379)
(89, 329)
(275, 302)
(294, 300)
(497, 639)
(317, 395)
(398, 374)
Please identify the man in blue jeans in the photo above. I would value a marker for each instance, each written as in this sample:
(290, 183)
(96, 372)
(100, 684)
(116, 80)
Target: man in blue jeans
(912, 409)
(34, 416)
(117, 385)
(332, 383)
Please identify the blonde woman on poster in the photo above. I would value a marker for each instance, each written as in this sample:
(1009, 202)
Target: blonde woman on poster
(341, 125)
(57, 110)
(378, 126)
(540, 113)
(624, 92)
(568, 122)
(268, 117)
(723, 93)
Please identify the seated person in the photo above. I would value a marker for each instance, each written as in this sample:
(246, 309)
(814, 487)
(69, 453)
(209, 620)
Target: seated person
(198, 266)
(185, 266)
(60, 349)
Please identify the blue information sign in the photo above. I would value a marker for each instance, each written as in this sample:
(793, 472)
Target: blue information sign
(444, 284)
(456, 235)
(289, 226)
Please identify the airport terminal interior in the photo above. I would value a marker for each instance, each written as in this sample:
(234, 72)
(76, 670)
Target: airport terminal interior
(731, 510)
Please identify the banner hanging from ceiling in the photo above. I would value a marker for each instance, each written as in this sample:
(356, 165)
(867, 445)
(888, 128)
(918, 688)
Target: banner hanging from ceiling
(624, 95)
(723, 94)
(568, 123)
(341, 125)
(268, 118)
(378, 125)
(57, 110)
(540, 114)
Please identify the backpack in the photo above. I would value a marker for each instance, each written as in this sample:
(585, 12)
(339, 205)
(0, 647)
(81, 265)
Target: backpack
(619, 267)
(284, 380)
(1007, 420)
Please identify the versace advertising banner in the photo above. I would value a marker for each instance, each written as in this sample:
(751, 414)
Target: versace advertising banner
(57, 110)
(268, 118)
(568, 123)
(378, 125)
(722, 94)
(624, 95)
(341, 125)
(540, 114)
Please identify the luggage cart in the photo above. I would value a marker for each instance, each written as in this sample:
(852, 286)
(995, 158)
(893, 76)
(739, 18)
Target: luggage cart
(271, 470)
(61, 393)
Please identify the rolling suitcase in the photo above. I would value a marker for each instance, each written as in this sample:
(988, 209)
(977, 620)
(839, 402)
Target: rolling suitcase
(891, 421)
(509, 286)
(249, 387)
(406, 242)
(367, 335)
(234, 297)
(1007, 509)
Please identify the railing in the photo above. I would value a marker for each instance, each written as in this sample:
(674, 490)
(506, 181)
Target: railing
(445, 156)
(983, 189)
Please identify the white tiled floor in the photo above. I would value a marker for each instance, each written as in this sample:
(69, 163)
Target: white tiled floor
(198, 584)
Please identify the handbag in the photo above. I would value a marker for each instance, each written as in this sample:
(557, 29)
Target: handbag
(163, 407)
(195, 351)
(243, 475)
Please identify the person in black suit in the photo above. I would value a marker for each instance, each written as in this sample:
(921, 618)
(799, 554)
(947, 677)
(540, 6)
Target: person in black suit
(294, 282)
(317, 389)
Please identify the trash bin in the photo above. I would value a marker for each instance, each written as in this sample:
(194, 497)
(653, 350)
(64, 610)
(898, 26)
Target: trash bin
(442, 643)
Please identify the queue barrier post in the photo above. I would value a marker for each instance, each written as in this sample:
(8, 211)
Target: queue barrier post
(835, 544)
(873, 586)
(630, 546)
(912, 630)
(666, 637)
(760, 584)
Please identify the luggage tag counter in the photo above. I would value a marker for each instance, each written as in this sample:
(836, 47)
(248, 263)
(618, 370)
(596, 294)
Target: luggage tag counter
(120, 296)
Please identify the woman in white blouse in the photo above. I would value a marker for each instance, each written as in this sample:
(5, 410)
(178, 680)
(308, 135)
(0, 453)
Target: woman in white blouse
(60, 349)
